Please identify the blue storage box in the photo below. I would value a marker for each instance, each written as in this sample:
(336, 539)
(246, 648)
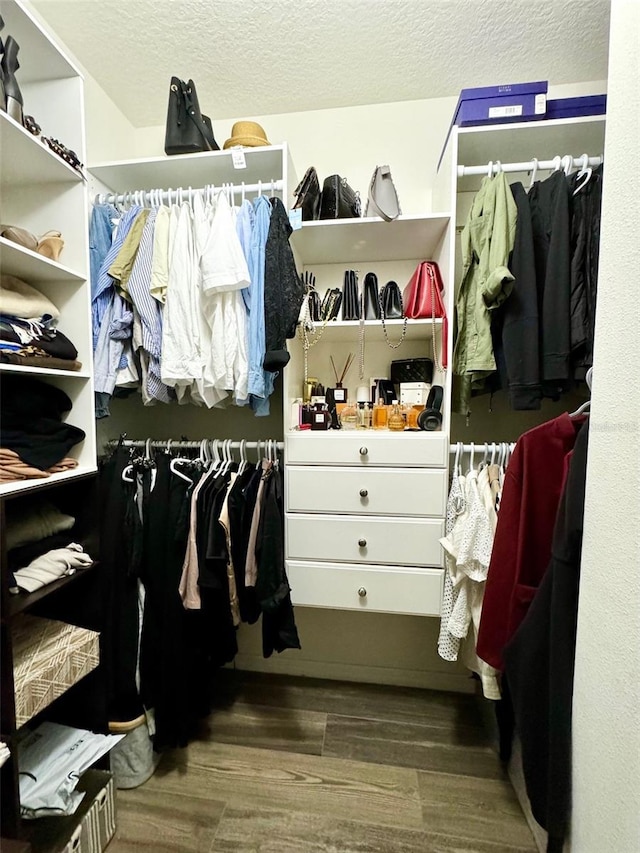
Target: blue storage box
(586, 105)
(499, 104)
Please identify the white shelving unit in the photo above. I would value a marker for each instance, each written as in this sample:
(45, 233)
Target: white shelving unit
(39, 191)
(266, 163)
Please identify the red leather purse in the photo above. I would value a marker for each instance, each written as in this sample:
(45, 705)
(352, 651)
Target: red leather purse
(423, 299)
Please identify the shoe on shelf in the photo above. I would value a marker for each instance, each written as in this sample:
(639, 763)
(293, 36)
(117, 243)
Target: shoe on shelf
(3, 100)
(9, 66)
(51, 245)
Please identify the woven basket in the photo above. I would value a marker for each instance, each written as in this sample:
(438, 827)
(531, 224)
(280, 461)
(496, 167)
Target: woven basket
(48, 658)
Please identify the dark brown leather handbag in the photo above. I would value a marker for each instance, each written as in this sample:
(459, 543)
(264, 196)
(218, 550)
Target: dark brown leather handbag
(187, 130)
(339, 200)
(307, 195)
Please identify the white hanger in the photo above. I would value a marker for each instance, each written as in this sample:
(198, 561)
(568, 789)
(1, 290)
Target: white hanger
(128, 471)
(259, 188)
(243, 456)
(472, 457)
(485, 458)
(456, 460)
(534, 171)
(243, 192)
(490, 169)
(173, 467)
(498, 167)
(557, 163)
(585, 171)
(567, 163)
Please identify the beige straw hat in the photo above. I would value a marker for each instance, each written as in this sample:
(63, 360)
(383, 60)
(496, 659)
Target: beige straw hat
(247, 133)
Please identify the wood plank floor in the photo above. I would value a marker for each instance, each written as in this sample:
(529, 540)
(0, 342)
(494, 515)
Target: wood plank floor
(293, 765)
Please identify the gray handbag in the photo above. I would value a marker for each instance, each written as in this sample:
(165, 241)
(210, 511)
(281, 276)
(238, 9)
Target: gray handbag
(383, 198)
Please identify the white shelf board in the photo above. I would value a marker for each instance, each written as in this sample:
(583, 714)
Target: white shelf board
(358, 240)
(513, 143)
(348, 330)
(25, 161)
(44, 371)
(264, 163)
(20, 486)
(16, 260)
(42, 58)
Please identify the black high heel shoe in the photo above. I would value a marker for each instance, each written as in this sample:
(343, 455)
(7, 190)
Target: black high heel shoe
(10, 64)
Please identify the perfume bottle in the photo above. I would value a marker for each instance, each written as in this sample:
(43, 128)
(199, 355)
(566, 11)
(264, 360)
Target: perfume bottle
(367, 416)
(349, 416)
(380, 415)
(396, 419)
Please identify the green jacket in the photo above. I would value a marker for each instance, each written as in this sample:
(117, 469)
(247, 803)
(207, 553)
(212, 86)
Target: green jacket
(486, 241)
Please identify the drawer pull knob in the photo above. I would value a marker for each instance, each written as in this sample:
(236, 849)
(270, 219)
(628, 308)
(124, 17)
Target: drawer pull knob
(362, 592)
(364, 451)
(362, 543)
(363, 493)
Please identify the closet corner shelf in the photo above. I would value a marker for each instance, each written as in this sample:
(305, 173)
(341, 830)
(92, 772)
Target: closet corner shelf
(44, 371)
(523, 140)
(337, 241)
(264, 163)
(25, 160)
(347, 330)
(22, 601)
(22, 486)
(22, 262)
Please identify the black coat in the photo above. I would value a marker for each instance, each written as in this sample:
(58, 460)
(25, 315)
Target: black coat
(539, 663)
(283, 290)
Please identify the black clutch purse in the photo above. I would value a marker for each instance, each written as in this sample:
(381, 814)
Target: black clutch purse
(371, 297)
(350, 296)
(187, 130)
(331, 304)
(339, 200)
(411, 370)
(391, 301)
(307, 195)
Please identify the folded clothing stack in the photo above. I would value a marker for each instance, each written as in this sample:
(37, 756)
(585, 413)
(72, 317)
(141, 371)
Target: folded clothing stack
(52, 759)
(51, 567)
(32, 430)
(27, 328)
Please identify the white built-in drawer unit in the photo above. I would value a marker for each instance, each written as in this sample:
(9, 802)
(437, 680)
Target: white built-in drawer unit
(368, 447)
(366, 491)
(365, 539)
(376, 588)
(365, 512)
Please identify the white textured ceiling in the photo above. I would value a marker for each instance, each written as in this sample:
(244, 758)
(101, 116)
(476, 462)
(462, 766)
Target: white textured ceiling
(258, 57)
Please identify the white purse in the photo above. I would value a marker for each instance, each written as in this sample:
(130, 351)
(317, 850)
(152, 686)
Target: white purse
(383, 198)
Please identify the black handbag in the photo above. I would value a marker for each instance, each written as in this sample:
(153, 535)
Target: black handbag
(307, 195)
(350, 296)
(371, 297)
(187, 131)
(339, 200)
(411, 370)
(391, 301)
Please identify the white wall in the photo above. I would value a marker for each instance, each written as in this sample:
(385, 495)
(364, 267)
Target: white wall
(606, 712)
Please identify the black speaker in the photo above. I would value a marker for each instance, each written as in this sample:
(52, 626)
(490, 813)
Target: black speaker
(430, 418)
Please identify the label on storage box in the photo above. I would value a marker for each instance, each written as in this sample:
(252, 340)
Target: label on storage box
(505, 112)
(541, 104)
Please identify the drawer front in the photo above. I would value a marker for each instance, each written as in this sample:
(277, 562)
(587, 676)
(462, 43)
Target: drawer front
(380, 590)
(362, 448)
(367, 491)
(388, 541)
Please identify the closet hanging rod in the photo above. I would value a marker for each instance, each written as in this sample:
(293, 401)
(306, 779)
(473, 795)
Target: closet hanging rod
(480, 446)
(188, 445)
(527, 166)
(185, 193)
